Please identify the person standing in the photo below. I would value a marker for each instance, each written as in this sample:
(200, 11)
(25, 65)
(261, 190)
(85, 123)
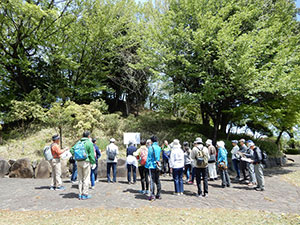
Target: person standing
(141, 155)
(243, 164)
(258, 166)
(200, 157)
(223, 163)
(166, 149)
(187, 161)
(56, 182)
(212, 152)
(84, 154)
(131, 162)
(153, 159)
(177, 165)
(236, 158)
(250, 166)
(97, 155)
(111, 152)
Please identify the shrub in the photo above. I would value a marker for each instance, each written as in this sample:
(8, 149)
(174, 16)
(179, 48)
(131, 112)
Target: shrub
(292, 151)
(269, 147)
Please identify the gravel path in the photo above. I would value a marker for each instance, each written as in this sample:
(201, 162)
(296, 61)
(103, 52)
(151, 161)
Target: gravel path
(34, 194)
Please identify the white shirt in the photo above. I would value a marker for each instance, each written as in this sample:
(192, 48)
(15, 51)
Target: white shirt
(234, 151)
(177, 158)
(112, 147)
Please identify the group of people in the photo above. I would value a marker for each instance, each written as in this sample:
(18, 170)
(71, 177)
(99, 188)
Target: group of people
(200, 161)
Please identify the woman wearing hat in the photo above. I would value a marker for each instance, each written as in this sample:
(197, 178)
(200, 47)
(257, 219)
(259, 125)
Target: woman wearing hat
(236, 158)
(222, 163)
(177, 165)
(212, 152)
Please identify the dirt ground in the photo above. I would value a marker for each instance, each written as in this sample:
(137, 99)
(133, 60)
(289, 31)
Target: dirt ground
(34, 195)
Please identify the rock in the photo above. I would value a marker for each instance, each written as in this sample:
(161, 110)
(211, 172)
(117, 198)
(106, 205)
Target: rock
(121, 168)
(4, 168)
(43, 170)
(64, 168)
(21, 169)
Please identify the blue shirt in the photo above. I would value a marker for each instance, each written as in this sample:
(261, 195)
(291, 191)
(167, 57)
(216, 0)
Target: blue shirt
(130, 150)
(98, 153)
(151, 161)
(222, 155)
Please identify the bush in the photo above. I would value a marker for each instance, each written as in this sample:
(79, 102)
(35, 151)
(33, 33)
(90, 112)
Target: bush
(292, 151)
(269, 147)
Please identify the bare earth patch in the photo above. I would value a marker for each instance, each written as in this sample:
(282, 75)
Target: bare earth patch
(147, 215)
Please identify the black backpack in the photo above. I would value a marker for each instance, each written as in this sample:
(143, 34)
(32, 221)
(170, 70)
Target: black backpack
(264, 157)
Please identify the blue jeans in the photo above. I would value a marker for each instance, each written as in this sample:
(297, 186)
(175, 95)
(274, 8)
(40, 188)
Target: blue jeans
(187, 171)
(178, 181)
(94, 175)
(129, 167)
(74, 172)
(236, 167)
(114, 168)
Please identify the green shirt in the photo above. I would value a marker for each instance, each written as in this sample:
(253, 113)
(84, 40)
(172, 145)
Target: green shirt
(89, 148)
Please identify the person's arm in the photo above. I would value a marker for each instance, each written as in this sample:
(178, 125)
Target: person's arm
(57, 150)
(90, 150)
(171, 160)
(127, 151)
(98, 153)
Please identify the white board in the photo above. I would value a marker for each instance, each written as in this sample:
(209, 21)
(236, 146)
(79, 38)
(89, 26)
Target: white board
(135, 137)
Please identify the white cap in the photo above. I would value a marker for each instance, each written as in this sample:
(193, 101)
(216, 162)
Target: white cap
(208, 142)
(112, 140)
(250, 144)
(221, 144)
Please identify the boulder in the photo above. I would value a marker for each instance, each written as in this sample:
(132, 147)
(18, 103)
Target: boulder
(11, 161)
(121, 168)
(43, 170)
(21, 169)
(4, 168)
(64, 168)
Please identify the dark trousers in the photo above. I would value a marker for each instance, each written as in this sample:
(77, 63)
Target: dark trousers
(129, 168)
(74, 172)
(243, 167)
(236, 163)
(187, 171)
(96, 170)
(154, 179)
(225, 178)
(201, 172)
(165, 165)
(144, 173)
(114, 168)
(178, 181)
(193, 174)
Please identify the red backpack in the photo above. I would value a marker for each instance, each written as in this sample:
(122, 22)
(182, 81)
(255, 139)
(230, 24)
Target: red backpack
(143, 156)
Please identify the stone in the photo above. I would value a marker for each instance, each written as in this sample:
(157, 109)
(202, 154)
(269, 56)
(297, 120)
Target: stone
(121, 168)
(11, 161)
(43, 170)
(21, 169)
(4, 168)
(64, 168)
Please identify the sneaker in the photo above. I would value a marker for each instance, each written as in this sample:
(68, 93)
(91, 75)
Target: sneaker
(79, 197)
(158, 197)
(74, 182)
(52, 188)
(259, 189)
(151, 198)
(198, 196)
(142, 192)
(181, 193)
(84, 197)
(250, 184)
(93, 187)
(190, 182)
(175, 193)
(61, 188)
(205, 195)
(146, 192)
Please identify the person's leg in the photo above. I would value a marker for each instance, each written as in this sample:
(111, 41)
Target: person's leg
(134, 173)
(142, 175)
(108, 171)
(259, 176)
(128, 173)
(152, 177)
(180, 178)
(243, 169)
(80, 176)
(193, 174)
(227, 178)
(146, 174)
(158, 184)
(115, 172)
(86, 177)
(205, 183)
(252, 173)
(92, 177)
(96, 171)
(215, 175)
(58, 173)
(74, 172)
(176, 181)
(198, 180)
(236, 167)
(169, 170)
(222, 172)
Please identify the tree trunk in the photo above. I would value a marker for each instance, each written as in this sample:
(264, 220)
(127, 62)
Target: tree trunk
(228, 133)
(216, 128)
(60, 135)
(278, 138)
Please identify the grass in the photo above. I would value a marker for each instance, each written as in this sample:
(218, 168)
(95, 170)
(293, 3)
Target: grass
(292, 178)
(147, 215)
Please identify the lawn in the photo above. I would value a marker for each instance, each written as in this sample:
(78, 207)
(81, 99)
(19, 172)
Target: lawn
(147, 215)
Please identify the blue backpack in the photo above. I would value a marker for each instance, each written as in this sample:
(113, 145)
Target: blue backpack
(79, 151)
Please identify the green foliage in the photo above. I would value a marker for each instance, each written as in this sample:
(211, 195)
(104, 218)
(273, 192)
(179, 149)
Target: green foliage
(292, 151)
(270, 147)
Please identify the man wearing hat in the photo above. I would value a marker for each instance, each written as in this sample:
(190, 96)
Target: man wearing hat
(243, 164)
(212, 153)
(258, 167)
(250, 166)
(56, 182)
(199, 155)
(236, 158)
(111, 152)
